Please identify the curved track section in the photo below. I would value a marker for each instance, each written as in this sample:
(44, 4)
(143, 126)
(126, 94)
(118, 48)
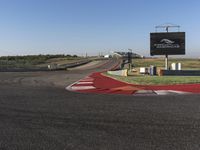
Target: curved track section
(36, 112)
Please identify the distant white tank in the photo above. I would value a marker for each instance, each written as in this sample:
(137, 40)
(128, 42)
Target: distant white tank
(173, 66)
(179, 66)
(176, 66)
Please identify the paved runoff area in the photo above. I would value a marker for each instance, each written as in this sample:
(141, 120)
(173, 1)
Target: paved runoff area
(98, 83)
(38, 113)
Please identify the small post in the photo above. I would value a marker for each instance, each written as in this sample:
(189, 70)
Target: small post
(130, 67)
(166, 62)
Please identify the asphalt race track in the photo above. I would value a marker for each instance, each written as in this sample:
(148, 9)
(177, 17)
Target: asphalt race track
(37, 113)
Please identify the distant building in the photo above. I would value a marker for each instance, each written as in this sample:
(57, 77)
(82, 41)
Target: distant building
(107, 56)
(125, 55)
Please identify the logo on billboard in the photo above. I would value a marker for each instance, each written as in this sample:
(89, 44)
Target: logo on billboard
(166, 43)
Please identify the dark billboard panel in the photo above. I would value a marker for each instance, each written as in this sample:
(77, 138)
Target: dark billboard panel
(169, 43)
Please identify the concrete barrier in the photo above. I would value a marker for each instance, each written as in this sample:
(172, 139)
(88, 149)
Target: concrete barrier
(119, 72)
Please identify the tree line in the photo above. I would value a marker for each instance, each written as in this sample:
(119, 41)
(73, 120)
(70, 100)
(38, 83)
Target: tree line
(32, 57)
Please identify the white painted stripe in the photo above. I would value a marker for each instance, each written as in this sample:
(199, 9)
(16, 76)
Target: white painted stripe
(144, 93)
(179, 92)
(84, 82)
(76, 88)
(87, 77)
(69, 86)
(169, 92)
(162, 92)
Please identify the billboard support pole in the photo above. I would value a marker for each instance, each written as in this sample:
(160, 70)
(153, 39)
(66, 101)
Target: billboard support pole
(166, 62)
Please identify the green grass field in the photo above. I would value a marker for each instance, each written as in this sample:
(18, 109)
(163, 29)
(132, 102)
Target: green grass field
(136, 78)
(160, 62)
(157, 80)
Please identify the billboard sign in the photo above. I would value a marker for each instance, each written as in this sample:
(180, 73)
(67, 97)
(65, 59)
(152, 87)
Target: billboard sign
(169, 43)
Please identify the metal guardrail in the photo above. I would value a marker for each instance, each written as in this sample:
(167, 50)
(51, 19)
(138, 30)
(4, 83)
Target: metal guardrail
(76, 64)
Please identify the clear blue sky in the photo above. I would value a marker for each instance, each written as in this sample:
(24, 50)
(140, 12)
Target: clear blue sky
(92, 26)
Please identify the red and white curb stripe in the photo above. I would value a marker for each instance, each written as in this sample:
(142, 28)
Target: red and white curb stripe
(87, 83)
(83, 84)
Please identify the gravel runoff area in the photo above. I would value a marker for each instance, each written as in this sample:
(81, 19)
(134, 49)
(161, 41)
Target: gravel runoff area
(37, 113)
